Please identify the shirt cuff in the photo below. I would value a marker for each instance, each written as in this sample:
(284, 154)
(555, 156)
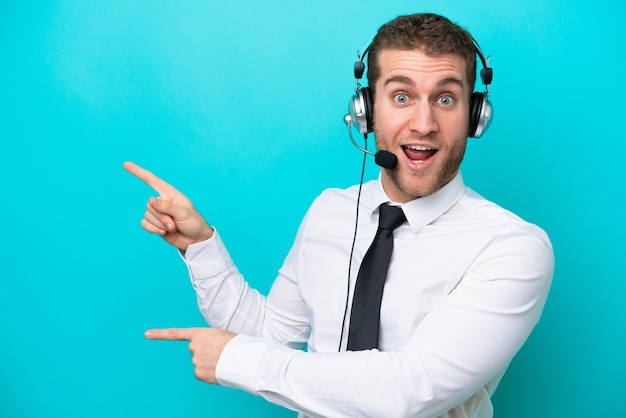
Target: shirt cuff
(207, 258)
(238, 364)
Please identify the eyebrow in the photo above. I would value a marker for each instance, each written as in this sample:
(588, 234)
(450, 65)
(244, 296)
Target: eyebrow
(399, 79)
(406, 80)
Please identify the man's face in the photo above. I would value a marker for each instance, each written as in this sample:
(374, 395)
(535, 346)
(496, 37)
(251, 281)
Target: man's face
(421, 114)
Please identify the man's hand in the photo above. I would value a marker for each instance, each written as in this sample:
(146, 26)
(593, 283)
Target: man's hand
(170, 215)
(206, 346)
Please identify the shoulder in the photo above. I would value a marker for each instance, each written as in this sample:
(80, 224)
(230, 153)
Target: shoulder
(496, 242)
(334, 209)
(338, 199)
(477, 213)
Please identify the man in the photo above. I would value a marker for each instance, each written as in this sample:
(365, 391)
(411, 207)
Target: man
(465, 286)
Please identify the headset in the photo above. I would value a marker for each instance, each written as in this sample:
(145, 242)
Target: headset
(361, 115)
(361, 106)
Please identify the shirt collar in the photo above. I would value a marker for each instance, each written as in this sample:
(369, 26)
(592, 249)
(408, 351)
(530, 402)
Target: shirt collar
(424, 210)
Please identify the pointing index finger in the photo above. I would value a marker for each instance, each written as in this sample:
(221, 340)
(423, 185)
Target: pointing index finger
(173, 334)
(149, 178)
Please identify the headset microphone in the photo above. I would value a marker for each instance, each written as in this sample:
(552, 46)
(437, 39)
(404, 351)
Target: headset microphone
(386, 159)
(383, 158)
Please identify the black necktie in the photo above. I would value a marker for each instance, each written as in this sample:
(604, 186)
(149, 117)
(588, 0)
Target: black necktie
(368, 291)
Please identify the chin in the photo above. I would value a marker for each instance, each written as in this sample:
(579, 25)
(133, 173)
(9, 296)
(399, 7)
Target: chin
(415, 185)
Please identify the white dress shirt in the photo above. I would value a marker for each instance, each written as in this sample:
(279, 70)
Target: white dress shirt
(466, 285)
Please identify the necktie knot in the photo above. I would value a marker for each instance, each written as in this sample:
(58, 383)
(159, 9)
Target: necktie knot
(391, 217)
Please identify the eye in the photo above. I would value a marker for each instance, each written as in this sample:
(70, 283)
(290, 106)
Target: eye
(445, 100)
(401, 98)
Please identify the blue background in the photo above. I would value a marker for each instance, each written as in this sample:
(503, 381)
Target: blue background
(240, 104)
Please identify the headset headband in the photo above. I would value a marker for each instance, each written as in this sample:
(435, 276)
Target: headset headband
(486, 73)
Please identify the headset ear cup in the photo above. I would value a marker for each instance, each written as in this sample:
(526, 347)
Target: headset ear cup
(356, 112)
(368, 105)
(475, 109)
(360, 111)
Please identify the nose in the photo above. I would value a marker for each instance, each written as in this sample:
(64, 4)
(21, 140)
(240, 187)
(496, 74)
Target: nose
(422, 119)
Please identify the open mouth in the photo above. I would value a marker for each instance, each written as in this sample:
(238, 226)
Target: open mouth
(418, 152)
